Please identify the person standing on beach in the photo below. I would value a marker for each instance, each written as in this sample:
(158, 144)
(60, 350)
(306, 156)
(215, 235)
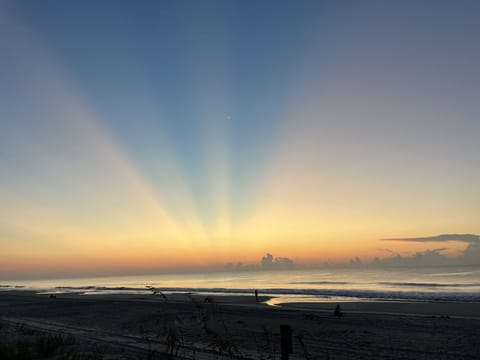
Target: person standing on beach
(256, 295)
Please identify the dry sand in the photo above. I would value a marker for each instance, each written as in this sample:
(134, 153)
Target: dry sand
(146, 326)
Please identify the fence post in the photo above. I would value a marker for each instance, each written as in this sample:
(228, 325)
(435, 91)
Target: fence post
(285, 341)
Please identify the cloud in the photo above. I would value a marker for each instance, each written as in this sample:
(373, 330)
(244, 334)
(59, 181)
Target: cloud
(469, 256)
(386, 250)
(467, 238)
(430, 257)
(268, 262)
(423, 258)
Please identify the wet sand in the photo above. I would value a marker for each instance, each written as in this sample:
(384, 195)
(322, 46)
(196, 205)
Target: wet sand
(196, 327)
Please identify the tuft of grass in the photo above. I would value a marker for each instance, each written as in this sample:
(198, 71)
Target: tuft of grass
(27, 344)
(155, 291)
(24, 330)
(267, 345)
(49, 345)
(19, 350)
(76, 355)
(224, 347)
(300, 337)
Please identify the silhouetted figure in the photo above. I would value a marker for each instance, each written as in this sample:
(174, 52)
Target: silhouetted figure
(337, 311)
(53, 296)
(256, 295)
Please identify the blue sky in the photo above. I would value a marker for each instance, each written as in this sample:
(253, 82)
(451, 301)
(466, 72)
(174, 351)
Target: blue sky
(163, 67)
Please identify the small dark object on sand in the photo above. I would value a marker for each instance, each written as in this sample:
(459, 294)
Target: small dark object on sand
(52, 296)
(337, 311)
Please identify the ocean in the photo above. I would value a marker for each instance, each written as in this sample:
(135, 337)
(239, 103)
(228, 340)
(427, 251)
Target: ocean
(460, 284)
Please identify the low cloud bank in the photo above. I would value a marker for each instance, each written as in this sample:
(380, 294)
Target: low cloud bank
(429, 257)
(268, 262)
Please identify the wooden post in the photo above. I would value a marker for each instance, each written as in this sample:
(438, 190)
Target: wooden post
(285, 341)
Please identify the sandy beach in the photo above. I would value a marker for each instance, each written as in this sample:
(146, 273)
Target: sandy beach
(187, 326)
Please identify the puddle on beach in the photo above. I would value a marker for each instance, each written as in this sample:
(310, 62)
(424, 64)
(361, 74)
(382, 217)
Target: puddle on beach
(279, 300)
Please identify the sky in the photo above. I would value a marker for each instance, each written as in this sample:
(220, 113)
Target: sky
(183, 135)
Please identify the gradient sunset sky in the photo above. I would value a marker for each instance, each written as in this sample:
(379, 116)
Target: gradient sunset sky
(140, 136)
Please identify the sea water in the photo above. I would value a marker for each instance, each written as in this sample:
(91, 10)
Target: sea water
(399, 284)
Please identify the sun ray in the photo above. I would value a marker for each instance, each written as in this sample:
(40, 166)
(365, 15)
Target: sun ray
(94, 168)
